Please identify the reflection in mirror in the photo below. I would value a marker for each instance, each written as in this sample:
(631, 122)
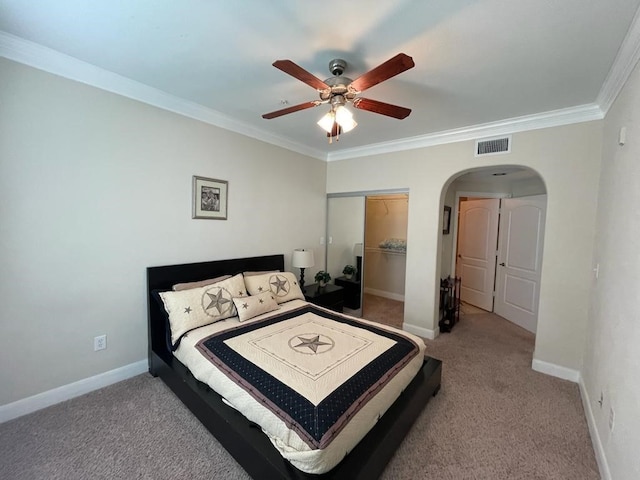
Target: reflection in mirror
(345, 229)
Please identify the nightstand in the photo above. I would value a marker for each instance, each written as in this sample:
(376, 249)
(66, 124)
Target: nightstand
(351, 291)
(330, 296)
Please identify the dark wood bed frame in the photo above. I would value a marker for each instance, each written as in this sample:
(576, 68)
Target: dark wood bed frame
(243, 439)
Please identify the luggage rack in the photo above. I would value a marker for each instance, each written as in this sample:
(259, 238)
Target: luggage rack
(449, 303)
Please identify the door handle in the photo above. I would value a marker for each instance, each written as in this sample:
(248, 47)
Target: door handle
(502, 264)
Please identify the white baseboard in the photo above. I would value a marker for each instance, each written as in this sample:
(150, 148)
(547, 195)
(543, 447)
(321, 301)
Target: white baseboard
(575, 376)
(556, 370)
(382, 293)
(598, 448)
(421, 331)
(66, 392)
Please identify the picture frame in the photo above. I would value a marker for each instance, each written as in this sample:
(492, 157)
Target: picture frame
(210, 198)
(446, 220)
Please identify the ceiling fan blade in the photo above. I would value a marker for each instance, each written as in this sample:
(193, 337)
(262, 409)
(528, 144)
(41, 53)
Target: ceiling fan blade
(388, 69)
(295, 108)
(382, 108)
(287, 66)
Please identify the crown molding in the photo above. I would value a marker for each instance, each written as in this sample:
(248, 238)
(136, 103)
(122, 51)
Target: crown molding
(623, 65)
(555, 118)
(49, 60)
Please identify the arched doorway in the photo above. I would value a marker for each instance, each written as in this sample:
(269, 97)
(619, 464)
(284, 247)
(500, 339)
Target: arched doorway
(495, 240)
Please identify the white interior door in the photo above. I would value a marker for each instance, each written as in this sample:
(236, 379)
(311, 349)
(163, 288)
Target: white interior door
(519, 260)
(477, 244)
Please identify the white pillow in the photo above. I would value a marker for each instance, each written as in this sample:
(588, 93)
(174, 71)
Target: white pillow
(196, 307)
(188, 285)
(262, 272)
(283, 285)
(249, 307)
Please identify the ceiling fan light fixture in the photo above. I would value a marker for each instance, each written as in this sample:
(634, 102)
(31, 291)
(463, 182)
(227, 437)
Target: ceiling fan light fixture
(340, 116)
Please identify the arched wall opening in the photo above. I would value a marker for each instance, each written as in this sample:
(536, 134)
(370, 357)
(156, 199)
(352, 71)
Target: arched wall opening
(492, 240)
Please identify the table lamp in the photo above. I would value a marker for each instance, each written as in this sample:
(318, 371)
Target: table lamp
(302, 259)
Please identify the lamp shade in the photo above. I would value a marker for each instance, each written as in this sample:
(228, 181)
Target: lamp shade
(357, 249)
(327, 121)
(343, 115)
(348, 125)
(302, 258)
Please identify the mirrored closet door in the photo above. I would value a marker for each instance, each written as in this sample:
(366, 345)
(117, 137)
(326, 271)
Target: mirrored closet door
(369, 230)
(345, 238)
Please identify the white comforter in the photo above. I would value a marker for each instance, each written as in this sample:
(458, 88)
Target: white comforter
(298, 367)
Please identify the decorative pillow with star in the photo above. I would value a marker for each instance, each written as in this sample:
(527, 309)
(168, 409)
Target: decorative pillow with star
(283, 285)
(249, 307)
(196, 307)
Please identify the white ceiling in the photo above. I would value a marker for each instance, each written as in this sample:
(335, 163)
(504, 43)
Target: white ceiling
(478, 62)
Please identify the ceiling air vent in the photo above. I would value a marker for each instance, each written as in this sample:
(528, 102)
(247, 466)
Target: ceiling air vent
(493, 146)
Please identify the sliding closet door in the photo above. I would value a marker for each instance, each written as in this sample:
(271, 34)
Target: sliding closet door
(375, 225)
(345, 229)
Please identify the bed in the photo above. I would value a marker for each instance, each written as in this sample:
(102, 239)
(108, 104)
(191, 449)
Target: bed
(242, 437)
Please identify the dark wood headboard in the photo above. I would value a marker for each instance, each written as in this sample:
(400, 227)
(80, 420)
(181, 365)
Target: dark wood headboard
(164, 277)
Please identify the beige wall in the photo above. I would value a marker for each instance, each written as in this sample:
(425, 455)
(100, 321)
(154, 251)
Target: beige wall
(612, 354)
(568, 160)
(94, 188)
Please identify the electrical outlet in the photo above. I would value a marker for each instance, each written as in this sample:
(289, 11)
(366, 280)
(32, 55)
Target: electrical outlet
(100, 342)
(612, 417)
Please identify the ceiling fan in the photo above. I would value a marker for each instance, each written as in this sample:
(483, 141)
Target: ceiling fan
(337, 91)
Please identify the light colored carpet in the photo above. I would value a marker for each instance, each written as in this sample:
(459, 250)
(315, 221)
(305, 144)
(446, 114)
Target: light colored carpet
(493, 419)
(383, 310)
(470, 309)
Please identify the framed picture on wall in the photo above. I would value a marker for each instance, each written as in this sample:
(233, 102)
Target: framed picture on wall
(446, 220)
(210, 198)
